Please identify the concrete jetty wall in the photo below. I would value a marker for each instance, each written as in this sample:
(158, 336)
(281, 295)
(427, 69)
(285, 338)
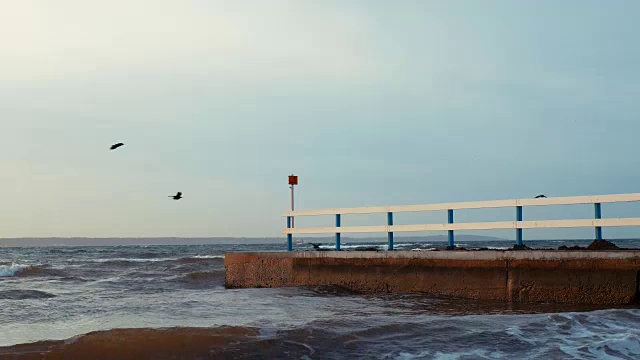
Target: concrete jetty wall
(574, 277)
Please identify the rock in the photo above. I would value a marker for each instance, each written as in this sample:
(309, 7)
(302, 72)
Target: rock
(565, 247)
(366, 249)
(602, 245)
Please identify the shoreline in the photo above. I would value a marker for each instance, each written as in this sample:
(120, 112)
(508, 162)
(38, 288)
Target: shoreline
(135, 343)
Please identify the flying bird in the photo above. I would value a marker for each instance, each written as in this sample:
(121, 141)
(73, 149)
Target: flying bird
(177, 196)
(115, 146)
(540, 196)
(315, 246)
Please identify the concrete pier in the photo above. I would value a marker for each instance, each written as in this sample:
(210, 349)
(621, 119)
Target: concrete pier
(572, 277)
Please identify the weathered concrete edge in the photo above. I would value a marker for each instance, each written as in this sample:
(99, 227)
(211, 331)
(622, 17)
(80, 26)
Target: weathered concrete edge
(588, 277)
(453, 255)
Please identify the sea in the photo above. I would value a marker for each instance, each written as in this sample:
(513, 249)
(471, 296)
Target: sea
(63, 292)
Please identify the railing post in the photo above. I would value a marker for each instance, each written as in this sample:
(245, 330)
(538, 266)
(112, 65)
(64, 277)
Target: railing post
(289, 236)
(598, 210)
(337, 234)
(390, 233)
(451, 241)
(518, 230)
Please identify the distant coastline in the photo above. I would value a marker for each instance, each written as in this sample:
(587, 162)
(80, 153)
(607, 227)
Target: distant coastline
(86, 241)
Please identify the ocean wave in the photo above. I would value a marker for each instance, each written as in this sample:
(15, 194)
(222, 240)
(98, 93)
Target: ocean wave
(114, 260)
(11, 270)
(354, 246)
(24, 294)
(205, 275)
(411, 245)
(163, 259)
(330, 290)
(208, 257)
(609, 334)
(201, 258)
(29, 270)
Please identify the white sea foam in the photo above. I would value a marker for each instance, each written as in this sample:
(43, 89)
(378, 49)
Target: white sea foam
(377, 246)
(353, 246)
(208, 257)
(155, 259)
(603, 334)
(132, 260)
(11, 270)
(627, 344)
(468, 354)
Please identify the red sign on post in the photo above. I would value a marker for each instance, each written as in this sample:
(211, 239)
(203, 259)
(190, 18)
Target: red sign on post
(293, 180)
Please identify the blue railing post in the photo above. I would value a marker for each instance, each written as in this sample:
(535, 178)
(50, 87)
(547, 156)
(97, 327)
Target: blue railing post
(451, 241)
(289, 236)
(390, 233)
(518, 230)
(337, 234)
(598, 210)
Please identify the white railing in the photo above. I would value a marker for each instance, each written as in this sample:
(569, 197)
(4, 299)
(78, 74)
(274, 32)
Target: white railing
(518, 224)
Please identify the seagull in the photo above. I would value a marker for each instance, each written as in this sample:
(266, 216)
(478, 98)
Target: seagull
(115, 146)
(315, 246)
(540, 196)
(177, 196)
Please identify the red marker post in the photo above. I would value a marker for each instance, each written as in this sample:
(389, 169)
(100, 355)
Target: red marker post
(293, 180)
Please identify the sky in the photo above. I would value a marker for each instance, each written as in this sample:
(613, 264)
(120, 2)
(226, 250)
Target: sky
(369, 102)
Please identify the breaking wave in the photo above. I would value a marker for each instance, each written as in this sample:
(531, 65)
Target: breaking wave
(119, 260)
(11, 270)
(164, 259)
(597, 335)
(208, 257)
(19, 270)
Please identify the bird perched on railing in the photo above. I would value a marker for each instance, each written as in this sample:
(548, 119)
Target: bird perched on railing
(177, 196)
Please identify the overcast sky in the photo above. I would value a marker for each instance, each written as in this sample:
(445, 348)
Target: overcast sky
(369, 102)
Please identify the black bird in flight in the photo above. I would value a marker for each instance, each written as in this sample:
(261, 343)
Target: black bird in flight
(540, 197)
(177, 196)
(315, 246)
(115, 146)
